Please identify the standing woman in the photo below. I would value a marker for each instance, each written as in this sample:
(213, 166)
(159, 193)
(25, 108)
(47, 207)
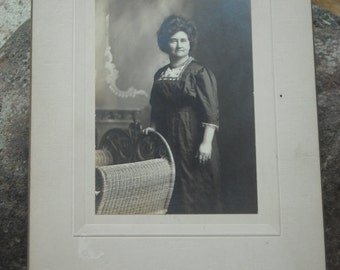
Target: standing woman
(185, 111)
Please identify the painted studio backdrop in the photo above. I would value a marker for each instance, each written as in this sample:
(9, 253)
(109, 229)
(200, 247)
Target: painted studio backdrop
(127, 57)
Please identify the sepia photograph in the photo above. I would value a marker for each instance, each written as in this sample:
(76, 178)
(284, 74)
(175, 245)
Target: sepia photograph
(174, 108)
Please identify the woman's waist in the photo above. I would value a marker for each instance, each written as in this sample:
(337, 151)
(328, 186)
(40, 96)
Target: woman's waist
(179, 107)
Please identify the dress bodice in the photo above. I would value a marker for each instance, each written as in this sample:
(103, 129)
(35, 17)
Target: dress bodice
(192, 86)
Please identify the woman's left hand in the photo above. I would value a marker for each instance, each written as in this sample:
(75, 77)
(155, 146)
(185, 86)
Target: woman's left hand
(204, 153)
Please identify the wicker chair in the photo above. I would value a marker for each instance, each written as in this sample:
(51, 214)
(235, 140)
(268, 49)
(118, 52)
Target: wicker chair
(143, 186)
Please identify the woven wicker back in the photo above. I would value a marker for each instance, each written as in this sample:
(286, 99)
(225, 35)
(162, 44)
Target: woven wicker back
(143, 187)
(103, 158)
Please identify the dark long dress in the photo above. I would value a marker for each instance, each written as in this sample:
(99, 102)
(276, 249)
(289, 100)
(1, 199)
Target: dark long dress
(181, 107)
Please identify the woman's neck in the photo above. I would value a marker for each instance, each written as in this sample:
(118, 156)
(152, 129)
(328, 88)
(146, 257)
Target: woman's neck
(177, 62)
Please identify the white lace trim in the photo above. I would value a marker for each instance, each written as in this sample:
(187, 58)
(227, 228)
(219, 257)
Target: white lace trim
(210, 125)
(175, 73)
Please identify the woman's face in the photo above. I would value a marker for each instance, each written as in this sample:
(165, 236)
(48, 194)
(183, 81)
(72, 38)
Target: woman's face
(179, 45)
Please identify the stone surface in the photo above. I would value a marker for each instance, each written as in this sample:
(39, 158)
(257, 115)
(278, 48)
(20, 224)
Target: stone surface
(327, 65)
(331, 5)
(13, 13)
(14, 143)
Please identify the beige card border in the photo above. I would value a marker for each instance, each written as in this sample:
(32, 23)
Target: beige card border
(63, 232)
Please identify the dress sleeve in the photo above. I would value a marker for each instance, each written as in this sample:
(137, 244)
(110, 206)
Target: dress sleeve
(155, 102)
(206, 87)
(155, 110)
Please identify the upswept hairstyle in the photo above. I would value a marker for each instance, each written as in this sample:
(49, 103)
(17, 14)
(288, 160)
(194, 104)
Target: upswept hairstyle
(171, 26)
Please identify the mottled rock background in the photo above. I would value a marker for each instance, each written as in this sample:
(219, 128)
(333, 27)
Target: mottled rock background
(13, 13)
(14, 127)
(14, 131)
(327, 65)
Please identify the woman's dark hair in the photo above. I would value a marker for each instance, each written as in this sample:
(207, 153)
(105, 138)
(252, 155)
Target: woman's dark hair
(171, 26)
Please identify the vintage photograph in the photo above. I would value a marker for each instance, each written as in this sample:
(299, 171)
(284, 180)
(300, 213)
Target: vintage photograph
(175, 129)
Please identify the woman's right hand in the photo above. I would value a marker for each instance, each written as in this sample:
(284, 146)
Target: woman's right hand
(147, 130)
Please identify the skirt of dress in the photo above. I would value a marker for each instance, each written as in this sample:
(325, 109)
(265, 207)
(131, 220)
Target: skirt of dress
(197, 187)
